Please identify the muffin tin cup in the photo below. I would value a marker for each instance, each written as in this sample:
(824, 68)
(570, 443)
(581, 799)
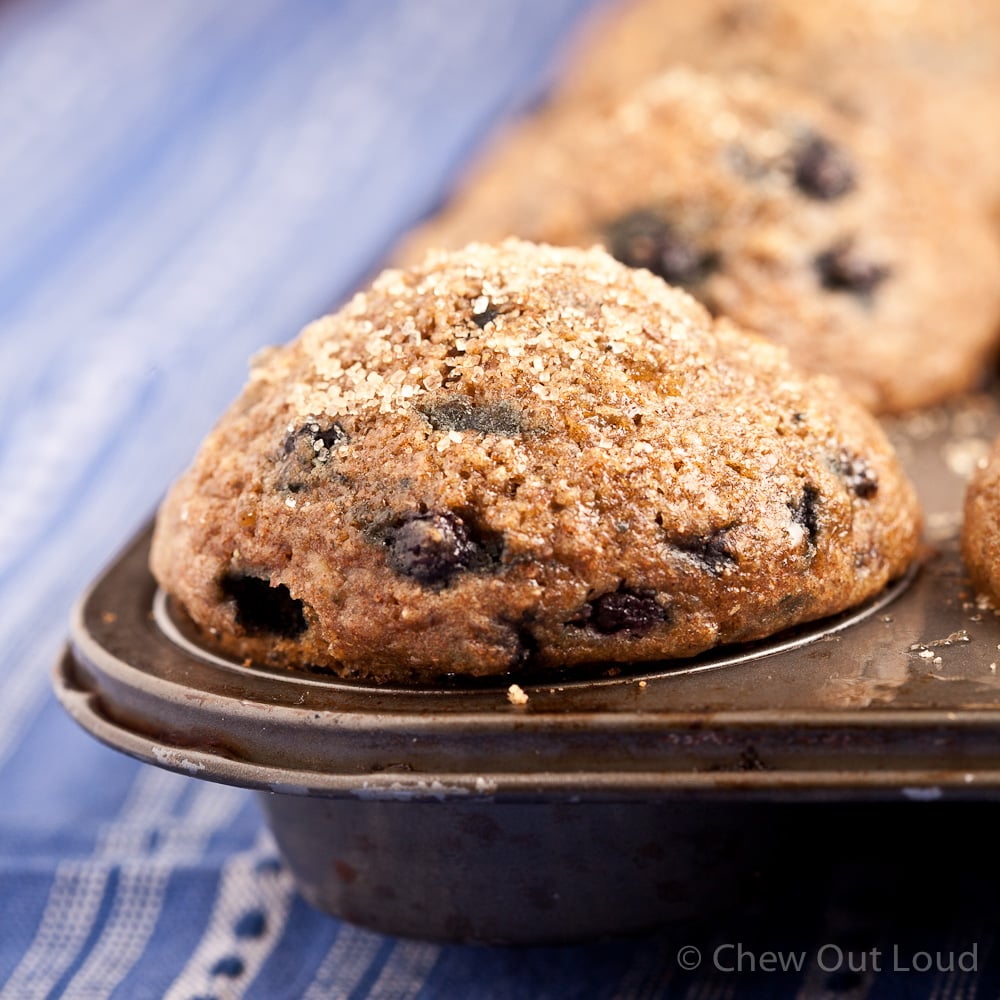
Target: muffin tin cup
(601, 805)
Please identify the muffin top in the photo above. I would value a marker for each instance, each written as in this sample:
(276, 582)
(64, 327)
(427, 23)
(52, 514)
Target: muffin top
(520, 456)
(771, 208)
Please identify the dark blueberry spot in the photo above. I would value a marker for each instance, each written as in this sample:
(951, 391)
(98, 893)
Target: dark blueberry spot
(823, 170)
(484, 318)
(459, 413)
(843, 268)
(710, 551)
(261, 608)
(643, 239)
(252, 924)
(805, 512)
(623, 610)
(313, 441)
(432, 548)
(857, 474)
(229, 965)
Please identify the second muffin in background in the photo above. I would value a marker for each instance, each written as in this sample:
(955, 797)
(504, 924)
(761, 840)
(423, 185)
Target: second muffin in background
(772, 209)
(925, 73)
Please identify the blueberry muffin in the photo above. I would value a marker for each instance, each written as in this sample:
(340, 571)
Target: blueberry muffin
(926, 73)
(523, 456)
(771, 208)
(981, 526)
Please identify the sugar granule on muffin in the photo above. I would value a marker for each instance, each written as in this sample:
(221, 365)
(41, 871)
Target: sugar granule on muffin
(516, 457)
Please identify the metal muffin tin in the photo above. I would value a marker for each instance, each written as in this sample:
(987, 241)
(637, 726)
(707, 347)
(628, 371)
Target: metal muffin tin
(601, 805)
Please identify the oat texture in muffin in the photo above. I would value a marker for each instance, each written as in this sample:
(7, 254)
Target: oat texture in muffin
(981, 526)
(772, 209)
(518, 456)
(923, 72)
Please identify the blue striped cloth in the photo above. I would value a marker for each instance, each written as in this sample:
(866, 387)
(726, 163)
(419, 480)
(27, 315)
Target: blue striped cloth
(182, 183)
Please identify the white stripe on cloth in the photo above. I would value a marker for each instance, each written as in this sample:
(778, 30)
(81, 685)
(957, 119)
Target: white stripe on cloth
(813, 985)
(715, 987)
(78, 886)
(405, 971)
(24, 694)
(241, 891)
(956, 984)
(41, 468)
(344, 965)
(46, 504)
(141, 891)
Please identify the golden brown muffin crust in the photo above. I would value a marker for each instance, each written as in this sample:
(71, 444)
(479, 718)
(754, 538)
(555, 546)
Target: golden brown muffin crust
(521, 456)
